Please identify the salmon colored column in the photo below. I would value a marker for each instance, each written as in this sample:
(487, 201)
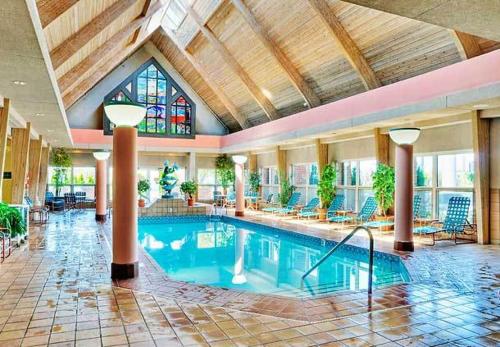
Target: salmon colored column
(125, 260)
(403, 232)
(101, 190)
(240, 190)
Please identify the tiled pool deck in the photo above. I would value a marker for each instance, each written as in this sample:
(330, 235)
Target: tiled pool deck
(57, 291)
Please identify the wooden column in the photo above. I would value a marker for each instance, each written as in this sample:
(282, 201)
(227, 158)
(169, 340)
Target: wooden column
(481, 147)
(381, 147)
(281, 163)
(252, 162)
(4, 122)
(20, 153)
(35, 156)
(321, 155)
(44, 168)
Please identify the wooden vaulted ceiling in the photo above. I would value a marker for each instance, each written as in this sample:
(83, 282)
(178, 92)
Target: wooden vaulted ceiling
(251, 61)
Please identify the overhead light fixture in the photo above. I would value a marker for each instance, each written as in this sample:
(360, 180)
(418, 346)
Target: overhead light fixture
(101, 155)
(404, 136)
(240, 159)
(19, 83)
(124, 113)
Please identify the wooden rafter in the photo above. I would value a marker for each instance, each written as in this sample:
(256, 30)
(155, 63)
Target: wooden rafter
(76, 41)
(49, 10)
(467, 45)
(253, 89)
(291, 71)
(346, 44)
(145, 11)
(73, 76)
(216, 89)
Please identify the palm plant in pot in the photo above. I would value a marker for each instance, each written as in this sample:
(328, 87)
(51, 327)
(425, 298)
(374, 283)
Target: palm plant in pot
(326, 189)
(189, 188)
(224, 167)
(61, 161)
(143, 188)
(383, 188)
(286, 190)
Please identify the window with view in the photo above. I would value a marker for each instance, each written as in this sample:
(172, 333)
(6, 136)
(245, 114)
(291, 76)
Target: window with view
(170, 112)
(305, 179)
(355, 182)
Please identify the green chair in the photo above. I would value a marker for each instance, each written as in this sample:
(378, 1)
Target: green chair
(292, 202)
(335, 205)
(382, 224)
(454, 223)
(364, 215)
(309, 210)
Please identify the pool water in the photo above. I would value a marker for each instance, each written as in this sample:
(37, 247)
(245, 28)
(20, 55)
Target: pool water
(229, 253)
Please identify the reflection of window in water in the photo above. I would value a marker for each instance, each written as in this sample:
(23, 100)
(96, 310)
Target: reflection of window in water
(304, 259)
(270, 250)
(214, 239)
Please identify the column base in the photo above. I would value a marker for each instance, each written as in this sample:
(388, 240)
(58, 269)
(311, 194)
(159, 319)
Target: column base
(405, 246)
(239, 213)
(100, 217)
(124, 271)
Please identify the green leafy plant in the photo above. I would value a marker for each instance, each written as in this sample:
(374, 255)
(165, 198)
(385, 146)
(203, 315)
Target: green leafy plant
(353, 176)
(383, 187)
(254, 181)
(224, 167)
(326, 185)
(12, 219)
(190, 188)
(286, 190)
(420, 179)
(61, 161)
(143, 187)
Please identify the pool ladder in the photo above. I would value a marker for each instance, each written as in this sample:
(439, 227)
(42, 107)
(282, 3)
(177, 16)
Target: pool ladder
(337, 246)
(214, 212)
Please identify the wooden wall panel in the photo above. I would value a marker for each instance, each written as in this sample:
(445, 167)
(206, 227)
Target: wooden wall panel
(252, 163)
(381, 147)
(35, 155)
(20, 153)
(4, 121)
(281, 162)
(321, 155)
(495, 216)
(44, 170)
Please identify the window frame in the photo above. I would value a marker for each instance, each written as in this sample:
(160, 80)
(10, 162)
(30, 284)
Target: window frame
(357, 188)
(309, 188)
(170, 99)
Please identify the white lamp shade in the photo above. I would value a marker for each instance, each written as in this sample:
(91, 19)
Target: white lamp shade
(239, 159)
(101, 155)
(404, 136)
(124, 114)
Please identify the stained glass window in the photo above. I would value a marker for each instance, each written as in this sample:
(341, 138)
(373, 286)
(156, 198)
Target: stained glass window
(153, 88)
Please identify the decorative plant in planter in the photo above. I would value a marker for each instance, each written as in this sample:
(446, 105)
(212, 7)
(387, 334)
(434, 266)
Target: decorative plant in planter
(383, 187)
(143, 187)
(224, 167)
(326, 189)
(61, 161)
(254, 182)
(168, 180)
(189, 188)
(286, 190)
(12, 219)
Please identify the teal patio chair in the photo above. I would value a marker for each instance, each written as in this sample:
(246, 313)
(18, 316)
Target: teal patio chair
(335, 205)
(382, 224)
(364, 215)
(309, 210)
(292, 202)
(231, 199)
(454, 223)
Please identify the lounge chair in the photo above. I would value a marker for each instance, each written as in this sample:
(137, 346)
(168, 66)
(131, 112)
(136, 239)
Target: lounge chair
(454, 223)
(53, 203)
(231, 199)
(292, 202)
(309, 210)
(267, 202)
(364, 215)
(290, 207)
(386, 223)
(335, 205)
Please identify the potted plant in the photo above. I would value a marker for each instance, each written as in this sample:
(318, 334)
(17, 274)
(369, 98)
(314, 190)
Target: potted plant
(326, 189)
(254, 182)
(12, 219)
(61, 161)
(143, 187)
(286, 190)
(224, 167)
(383, 188)
(189, 188)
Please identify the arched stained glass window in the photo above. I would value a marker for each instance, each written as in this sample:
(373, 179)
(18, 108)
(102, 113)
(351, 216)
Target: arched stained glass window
(152, 87)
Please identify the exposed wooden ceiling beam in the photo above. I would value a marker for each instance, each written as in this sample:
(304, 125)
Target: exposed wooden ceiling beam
(49, 10)
(292, 73)
(216, 89)
(73, 76)
(467, 45)
(212, 14)
(145, 11)
(346, 44)
(76, 41)
(253, 89)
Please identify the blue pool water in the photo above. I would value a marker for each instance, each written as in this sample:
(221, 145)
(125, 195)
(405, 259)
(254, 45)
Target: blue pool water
(229, 253)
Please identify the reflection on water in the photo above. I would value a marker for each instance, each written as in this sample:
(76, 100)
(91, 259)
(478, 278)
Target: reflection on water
(229, 256)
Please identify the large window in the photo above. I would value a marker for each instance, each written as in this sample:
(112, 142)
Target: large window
(170, 112)
(75, 179)
(269, 182)
(305, 179)
(207, 183)
(354, 180)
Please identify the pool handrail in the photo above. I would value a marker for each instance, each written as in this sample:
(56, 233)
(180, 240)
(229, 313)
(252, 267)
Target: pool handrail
(337, 246)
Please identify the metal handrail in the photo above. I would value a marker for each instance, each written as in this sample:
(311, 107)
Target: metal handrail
(347, 238)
